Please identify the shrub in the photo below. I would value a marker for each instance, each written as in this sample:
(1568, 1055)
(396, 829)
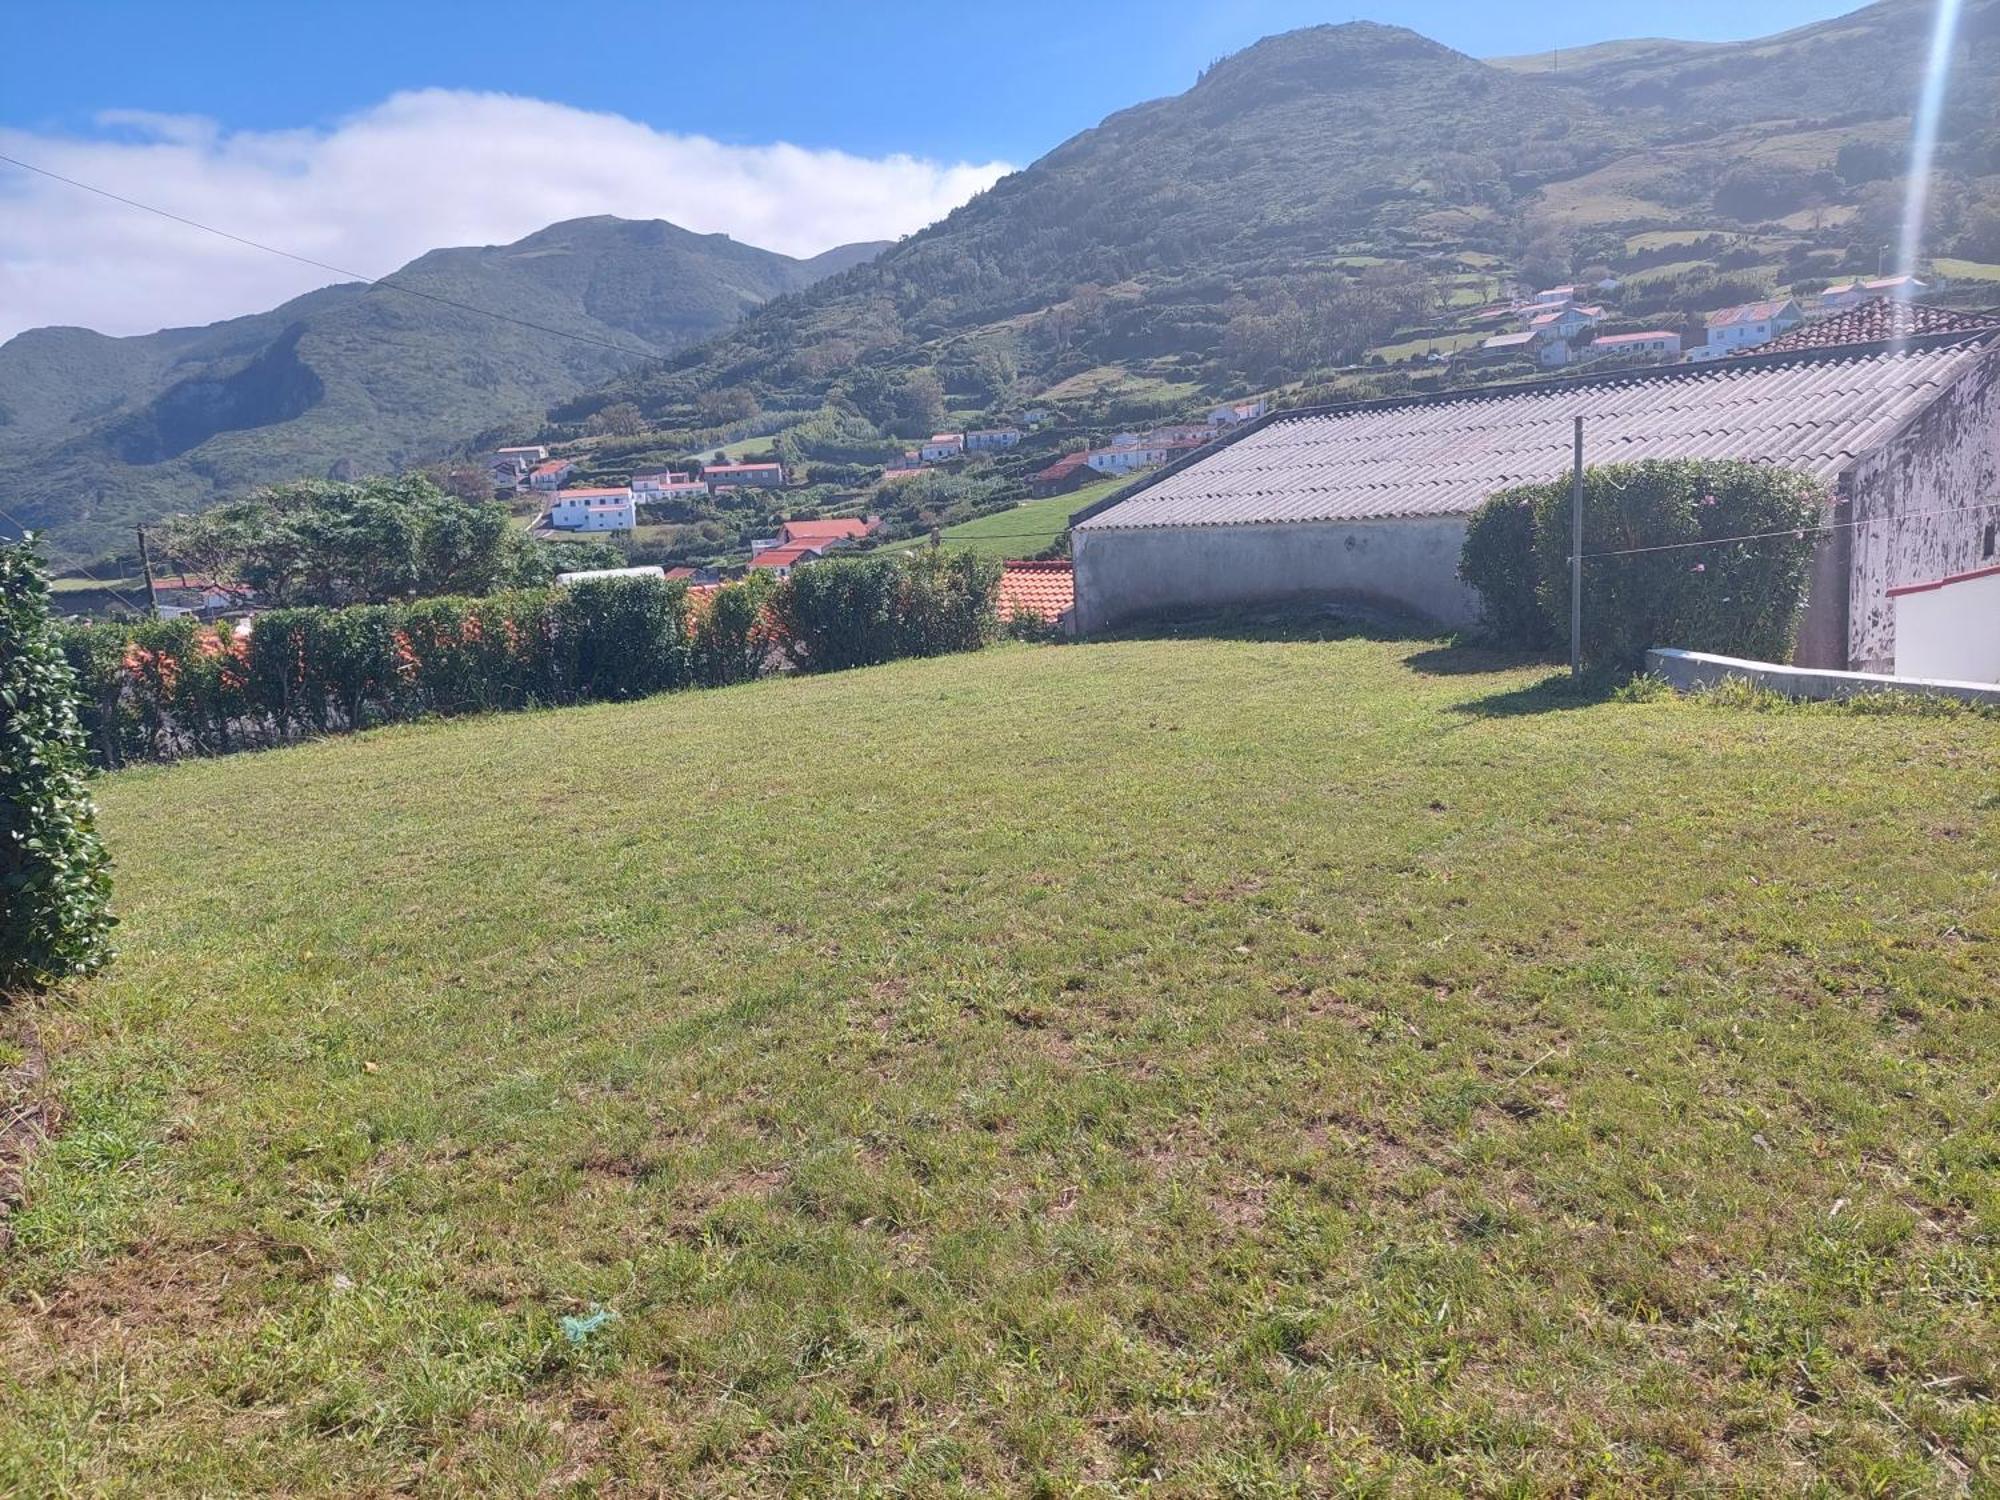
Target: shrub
(731, 635)
(618, 638)
(1741, 598)
(55, 883)
(857, 611)
(1499, 563)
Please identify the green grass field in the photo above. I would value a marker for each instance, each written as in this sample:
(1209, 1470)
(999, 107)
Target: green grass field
(1025, 529)
(1167, 1067)
(1966, 270)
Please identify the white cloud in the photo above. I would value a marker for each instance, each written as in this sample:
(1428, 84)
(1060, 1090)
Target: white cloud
(416, 172)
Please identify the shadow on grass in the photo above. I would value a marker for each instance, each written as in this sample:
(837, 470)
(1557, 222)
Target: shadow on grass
(1555, 693)
(1277, 622)
(1470, 659)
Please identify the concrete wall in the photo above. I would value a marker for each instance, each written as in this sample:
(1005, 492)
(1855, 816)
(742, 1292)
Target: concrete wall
(1407, 566)
(1692, 671)
(1952, 630)
(1948, 460)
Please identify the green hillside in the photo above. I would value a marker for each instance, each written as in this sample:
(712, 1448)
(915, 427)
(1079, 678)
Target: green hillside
(1195, 1068)
(97, 432)
(1340, 199)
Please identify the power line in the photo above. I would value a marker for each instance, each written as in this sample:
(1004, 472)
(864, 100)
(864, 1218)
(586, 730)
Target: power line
(74, 566)
(307, 260)
(1793, 531)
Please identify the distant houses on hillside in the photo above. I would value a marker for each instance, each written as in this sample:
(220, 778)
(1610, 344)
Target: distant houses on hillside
(801, 542)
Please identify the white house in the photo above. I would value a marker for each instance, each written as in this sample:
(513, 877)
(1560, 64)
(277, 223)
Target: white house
(1849, 294)
(1123, 458)
(593, 510)
(941, 446)
(1237, 411)
(1564, 322)
(1949, 627)
(1655, 341)
(992, 437)
(653, 488)
(1746, 326)
(1556, 296)
(550, 475)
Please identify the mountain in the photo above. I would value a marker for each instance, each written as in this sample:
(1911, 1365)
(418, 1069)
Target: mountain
(1345, 195)
(98, 432)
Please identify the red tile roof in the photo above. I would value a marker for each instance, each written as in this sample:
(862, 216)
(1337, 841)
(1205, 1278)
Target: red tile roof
(843, 530)
(1748, 312)
(783, 557)
(1067, 464)
(590, 494)
(1046, 590)
(1878, 322)
(553, 466)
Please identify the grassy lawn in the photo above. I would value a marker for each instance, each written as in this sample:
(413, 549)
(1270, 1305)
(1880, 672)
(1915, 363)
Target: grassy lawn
(1024, 530)
(1277, 1067)
(1966, 270)
(1448, 343)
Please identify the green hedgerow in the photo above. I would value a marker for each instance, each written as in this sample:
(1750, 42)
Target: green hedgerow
(55, 882)
(1677, 579)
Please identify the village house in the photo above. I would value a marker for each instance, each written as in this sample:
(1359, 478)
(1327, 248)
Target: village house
(1123, 458)
(1555, 296)
(780, 561)
(941, 446)
(1231, 413)
(1654, 342)
(1854, 293)
(592, 510)
(1368, 502)
(990, 438)
(653, 488)
(743, 476)
(550, 474)
(1745, 327)
(1565, 322)
(1538, 344)
(820, 536)
(1059, 478)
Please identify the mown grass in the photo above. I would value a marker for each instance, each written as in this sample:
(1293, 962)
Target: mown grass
(1021, 530)
(1250, 1066)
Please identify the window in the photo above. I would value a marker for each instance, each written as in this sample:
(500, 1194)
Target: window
(1991, 543)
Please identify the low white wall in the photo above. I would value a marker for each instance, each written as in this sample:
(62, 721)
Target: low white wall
(1950, 630)
(1405, 566)
(1688, 670)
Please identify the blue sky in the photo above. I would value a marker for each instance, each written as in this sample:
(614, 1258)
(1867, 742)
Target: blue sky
(865, 77)
(363, 134)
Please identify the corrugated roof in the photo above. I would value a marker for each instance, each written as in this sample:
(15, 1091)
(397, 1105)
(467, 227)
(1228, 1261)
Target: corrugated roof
(1442, 457)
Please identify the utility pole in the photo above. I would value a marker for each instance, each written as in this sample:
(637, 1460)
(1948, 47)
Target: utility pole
(146, 566)
(1576, 559)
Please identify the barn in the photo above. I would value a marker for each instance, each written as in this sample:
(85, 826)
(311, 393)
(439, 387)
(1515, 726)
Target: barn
(1368, 503)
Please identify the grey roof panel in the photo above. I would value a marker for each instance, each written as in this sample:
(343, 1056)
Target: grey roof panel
(1445, 457)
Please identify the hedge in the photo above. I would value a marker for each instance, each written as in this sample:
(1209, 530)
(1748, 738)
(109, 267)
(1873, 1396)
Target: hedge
(1697, 589)
(55, 883)
(160, 690)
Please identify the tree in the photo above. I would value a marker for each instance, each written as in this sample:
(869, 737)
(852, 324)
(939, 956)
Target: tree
(55, 882)
(317, 542)
(620, 420)
(918, 403)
